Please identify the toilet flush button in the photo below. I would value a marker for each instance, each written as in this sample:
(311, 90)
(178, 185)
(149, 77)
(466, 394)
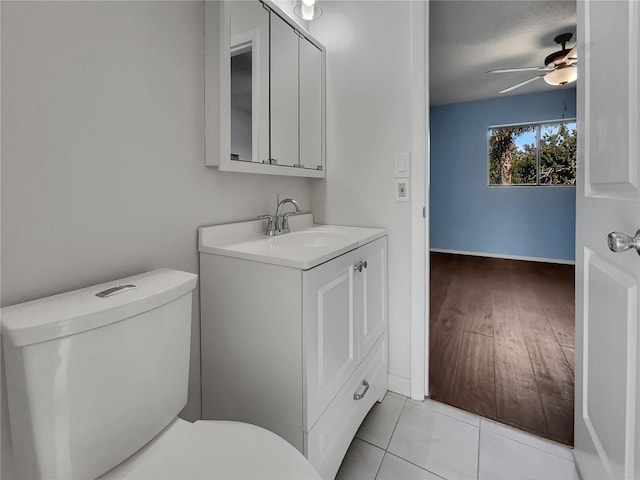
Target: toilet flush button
(109, 292)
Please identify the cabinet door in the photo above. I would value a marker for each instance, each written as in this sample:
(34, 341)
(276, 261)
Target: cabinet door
(284, 92)
(371, 294)
(310, 105)
(249, 30)
(329, 333)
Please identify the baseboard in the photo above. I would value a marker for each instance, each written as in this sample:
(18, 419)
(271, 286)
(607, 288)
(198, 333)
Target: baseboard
(508, 257)
(399, 385)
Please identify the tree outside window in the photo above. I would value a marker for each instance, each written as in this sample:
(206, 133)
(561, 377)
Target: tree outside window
(533, 154)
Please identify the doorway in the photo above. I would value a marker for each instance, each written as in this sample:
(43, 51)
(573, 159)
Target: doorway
(501, 333)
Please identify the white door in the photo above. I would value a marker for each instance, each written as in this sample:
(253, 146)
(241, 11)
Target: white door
(607, 415)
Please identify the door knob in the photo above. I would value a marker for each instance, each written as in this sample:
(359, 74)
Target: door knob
(620, 242)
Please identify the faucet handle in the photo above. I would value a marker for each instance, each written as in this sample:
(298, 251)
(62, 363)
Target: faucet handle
(285, 219)
(271, 218)
(271, 225)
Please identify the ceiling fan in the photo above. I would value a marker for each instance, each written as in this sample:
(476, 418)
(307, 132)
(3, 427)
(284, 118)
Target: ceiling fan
(559, 67)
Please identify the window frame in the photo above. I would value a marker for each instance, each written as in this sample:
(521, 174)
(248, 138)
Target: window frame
(537, 132)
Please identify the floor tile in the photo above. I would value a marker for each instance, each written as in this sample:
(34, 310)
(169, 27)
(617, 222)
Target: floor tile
(502, 458)
(439, 443)
(395, 468)
(379, 424)
(394, 394)
(528, 439)
(448, 410)
(361, 461)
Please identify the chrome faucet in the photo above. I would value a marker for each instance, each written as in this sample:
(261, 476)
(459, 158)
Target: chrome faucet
(282, 220)
(279, 223)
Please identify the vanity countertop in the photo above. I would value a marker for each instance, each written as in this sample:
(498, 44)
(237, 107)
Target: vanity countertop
(306, 246)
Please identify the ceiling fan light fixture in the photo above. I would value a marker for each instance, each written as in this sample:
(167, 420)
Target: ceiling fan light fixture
(560, 66)
(562, 75)
(556, 58)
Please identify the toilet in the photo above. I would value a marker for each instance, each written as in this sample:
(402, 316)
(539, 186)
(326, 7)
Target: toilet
(95, 381)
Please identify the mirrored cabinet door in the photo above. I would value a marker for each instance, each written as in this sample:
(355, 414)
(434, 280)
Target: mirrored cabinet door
(249, 52)
(264, 91)
(284, 93)
(310, 105)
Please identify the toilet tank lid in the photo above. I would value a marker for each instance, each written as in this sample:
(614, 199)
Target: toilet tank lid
(81, 310)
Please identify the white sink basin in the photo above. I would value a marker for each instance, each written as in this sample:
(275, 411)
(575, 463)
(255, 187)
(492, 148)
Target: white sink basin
(306, 246)
(312, 238)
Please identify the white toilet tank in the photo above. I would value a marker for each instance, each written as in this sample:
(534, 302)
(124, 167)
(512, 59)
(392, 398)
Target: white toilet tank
(91, 379)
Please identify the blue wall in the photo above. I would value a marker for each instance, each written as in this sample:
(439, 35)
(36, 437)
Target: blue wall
(468, 215)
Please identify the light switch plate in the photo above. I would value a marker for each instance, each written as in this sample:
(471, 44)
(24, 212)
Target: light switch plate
(402, 189)
(402, 165)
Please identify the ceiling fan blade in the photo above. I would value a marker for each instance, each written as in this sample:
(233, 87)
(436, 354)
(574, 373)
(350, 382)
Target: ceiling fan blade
(522, 84)
(521, 69)
(571, 56)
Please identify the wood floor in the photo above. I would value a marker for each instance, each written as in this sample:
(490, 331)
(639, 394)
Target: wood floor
(502, 341)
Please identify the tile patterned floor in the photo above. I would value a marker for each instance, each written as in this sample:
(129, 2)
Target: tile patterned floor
(402, 439)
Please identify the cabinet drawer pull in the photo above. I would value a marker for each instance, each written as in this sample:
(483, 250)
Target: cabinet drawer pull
(359, 396)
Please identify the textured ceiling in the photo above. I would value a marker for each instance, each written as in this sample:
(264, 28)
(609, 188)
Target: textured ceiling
(467, 38)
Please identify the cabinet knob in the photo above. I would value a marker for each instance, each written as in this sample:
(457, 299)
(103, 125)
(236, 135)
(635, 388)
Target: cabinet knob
(359, 266)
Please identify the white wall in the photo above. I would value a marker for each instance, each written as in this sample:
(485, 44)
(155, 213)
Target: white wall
(369, 115)
(102, 168)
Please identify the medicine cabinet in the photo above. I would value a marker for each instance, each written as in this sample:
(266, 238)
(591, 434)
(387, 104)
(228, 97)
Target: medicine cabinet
(264, 91)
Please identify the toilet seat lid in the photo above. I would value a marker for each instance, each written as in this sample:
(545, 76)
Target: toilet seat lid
(210, 449)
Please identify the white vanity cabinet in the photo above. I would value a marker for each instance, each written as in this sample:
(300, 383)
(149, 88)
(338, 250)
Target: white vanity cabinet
(301, 352)
(345, 349)
(344, 314)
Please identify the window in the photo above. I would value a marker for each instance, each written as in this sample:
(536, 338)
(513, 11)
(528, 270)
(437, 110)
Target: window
(533, 154)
